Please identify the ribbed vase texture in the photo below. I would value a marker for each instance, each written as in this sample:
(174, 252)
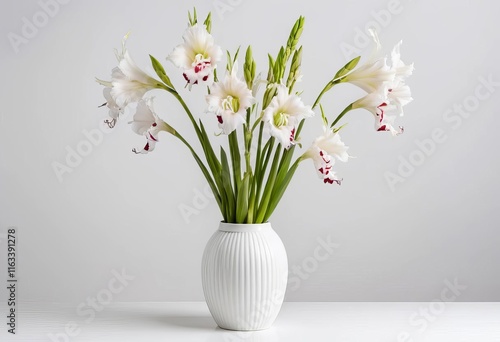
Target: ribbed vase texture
(244, 275)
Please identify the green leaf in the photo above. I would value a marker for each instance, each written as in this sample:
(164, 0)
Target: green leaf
(323, 116)
(226, 182)
(231, 60)
(251, 201)
(335, 130)
(255, 178)
(229, 64)
(242, 201)
(235, 159)
(261, 168)
(236, 54)
(347, 68)
(266, 196)
(284, 165)
(208, 22)
(193, 20)
(160, 71)
(215, 76)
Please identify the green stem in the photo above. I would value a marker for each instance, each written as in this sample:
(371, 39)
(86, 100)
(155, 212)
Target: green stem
(299, 129)
(259, 145)
(258, 121)
(341, 115)
(266, 196)
(235, 160)
(248, 142)
(251, 201)
(328, 86)
(254, 180)
(248, 146)
(268, 148)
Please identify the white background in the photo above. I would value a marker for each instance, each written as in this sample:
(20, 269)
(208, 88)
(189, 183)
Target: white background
(116, 210)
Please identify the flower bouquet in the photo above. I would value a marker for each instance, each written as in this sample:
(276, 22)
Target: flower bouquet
(262, 117)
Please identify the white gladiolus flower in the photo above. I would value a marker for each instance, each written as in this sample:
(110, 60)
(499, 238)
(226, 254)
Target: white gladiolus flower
(399, 95)
(147, 123)
(401, 70)
(385, 123)
(198, 56)
(229, 100)
(374, 73)
(128, 82)
(372, 101)
(114, 110)
(323, 152)
(283, 115)
(371, 75)
(390, 97)
(378, 104)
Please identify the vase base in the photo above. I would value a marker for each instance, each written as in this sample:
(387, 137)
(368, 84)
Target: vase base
(244, 330)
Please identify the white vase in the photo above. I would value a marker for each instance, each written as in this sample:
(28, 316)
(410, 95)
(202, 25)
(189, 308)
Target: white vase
(244, 276)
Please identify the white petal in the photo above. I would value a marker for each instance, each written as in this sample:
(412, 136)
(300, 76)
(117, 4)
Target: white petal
(143, 118)
(197, 56)
(180, 58)
(371, 76)
(230, 121)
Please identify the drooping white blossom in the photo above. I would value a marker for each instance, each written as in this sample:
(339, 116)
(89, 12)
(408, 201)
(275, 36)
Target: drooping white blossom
(145, 122)
(114, 110)
(128, 84)
(402, 71)
(399, 95)
(374, 73)
(386, 88)
(378, 104)
(371, 75)
(324, 150)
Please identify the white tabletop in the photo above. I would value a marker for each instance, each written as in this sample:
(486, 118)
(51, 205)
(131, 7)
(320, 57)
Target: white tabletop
(332, 322)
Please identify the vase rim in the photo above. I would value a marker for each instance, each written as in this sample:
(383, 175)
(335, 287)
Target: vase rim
(244, 227)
